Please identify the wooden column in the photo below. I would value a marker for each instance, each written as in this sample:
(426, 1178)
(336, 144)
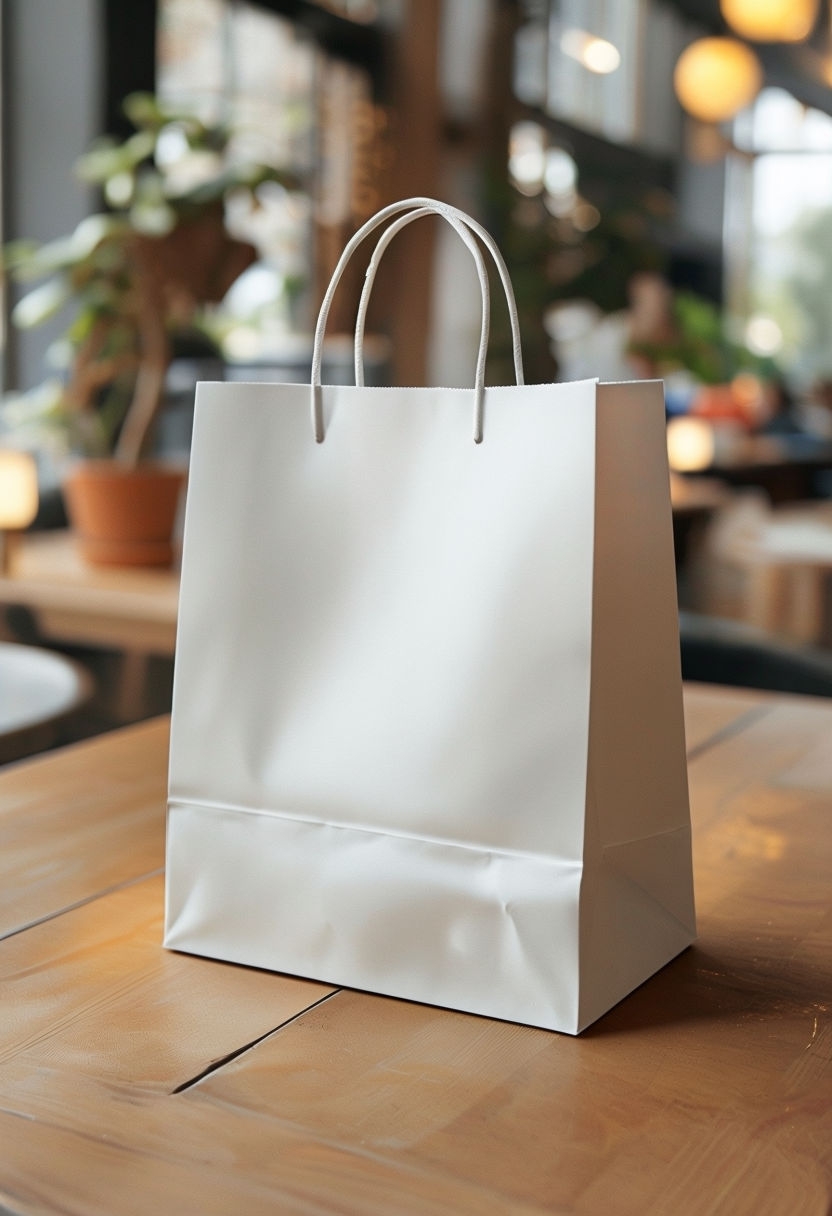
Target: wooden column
(406, 283)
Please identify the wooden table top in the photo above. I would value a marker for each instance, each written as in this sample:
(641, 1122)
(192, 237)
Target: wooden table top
(133, 607)
(133, 1080)
(697, 495)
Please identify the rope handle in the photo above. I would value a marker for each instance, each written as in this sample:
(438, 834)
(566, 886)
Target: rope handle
(456, 218)
(384, 240)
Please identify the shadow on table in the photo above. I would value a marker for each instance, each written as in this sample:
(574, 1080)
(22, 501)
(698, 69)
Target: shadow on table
(731, 985)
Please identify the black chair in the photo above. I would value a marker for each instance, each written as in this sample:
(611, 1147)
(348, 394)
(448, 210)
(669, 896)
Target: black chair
(716, 651)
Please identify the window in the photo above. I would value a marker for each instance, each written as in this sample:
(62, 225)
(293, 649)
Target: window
(604, 66)
(779, 232)
(293, 104)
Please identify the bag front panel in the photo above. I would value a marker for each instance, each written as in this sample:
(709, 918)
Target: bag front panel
(417, 919)
(390, 629)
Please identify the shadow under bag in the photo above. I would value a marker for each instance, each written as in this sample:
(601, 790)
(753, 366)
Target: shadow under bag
(427, 732)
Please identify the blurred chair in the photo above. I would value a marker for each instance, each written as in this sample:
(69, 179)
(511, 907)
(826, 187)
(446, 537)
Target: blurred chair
(716, 651)
(39, 693)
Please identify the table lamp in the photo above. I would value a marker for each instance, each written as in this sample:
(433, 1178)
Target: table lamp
(690, 444)
(18, 499)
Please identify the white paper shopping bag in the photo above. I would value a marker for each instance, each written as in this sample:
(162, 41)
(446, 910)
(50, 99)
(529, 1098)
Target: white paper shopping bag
(427, 732)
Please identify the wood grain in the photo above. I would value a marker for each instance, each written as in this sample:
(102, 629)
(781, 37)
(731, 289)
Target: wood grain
(646, 1104)
(709, 1090)
(711, 713)
(767, 745)
(93, 992)
(161, 1159)
(81, 821)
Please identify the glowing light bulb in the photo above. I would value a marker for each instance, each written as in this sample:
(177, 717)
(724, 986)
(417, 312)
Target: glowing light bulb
(716, 77)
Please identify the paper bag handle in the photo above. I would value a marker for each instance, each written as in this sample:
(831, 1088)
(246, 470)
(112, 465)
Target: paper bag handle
(449, 213)
(369, 279)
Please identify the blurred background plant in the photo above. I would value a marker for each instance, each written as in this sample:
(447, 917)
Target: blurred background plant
(139, 274)
(697, 340)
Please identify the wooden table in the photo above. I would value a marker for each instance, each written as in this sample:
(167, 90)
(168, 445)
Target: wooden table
(133, 1080)
(785, 466)
(130, 609)
(124, 607)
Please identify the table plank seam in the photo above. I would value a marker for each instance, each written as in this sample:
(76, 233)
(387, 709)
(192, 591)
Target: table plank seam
(80, 903)
(735, 727)
(708, 1089)
(239, 1051)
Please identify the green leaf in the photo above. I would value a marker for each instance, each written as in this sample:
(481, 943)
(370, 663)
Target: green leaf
(36, 261)
(41, 304)
(17, 255)
(144, 111)
(206, 139)
(94, 230)
(119, 189)
(81, 327)
(244, 176)
(45, 259)
(140, 146)
(150, 213)
(152, 218)
(36, 416)
(103, 158)
(106, 159)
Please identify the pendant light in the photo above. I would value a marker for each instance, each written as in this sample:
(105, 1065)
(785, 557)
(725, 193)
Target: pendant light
(715, 78)
(771, 20)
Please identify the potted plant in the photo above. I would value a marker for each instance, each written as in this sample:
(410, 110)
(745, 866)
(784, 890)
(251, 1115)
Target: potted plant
(137, 274)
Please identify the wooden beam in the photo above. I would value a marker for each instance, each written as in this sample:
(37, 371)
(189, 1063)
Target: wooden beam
(417, 136)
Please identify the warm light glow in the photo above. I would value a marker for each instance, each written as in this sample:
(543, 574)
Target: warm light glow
(690, 444)
(749, 394)
(763, 336)
(771, 20)
(243, 342)
(586, 217)
(560, 205)
(716, 77)
(561, 173)
(18, 489)
(527, 156)
(596, 54)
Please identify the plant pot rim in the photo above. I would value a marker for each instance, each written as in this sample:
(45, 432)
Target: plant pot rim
(108, 466)
(122, 515)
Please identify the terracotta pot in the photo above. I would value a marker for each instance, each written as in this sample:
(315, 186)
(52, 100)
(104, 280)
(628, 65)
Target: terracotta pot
(124, 516)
